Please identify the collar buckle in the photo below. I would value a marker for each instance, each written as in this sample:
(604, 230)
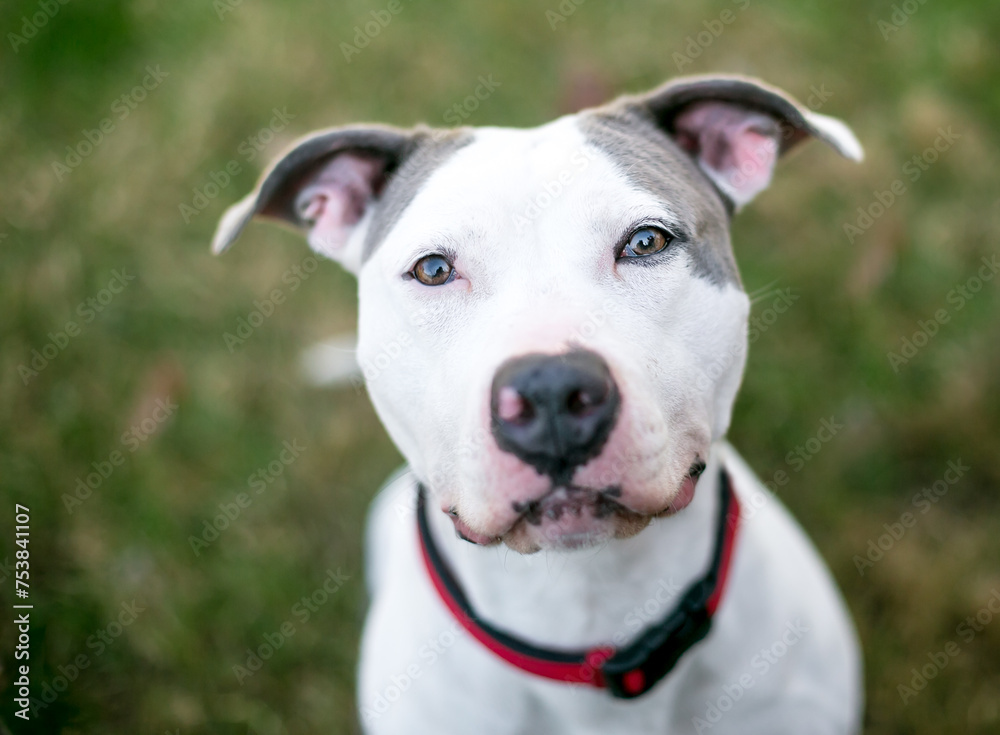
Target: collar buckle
(633, 671)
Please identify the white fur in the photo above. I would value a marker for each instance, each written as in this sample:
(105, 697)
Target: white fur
(676, 347)
(542, 288)
(576, 599)
(837, 134)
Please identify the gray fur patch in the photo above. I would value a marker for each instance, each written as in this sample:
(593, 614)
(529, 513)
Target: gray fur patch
(649, 158)
(430, 153)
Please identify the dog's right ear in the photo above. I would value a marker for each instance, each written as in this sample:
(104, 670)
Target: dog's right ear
(325, 186)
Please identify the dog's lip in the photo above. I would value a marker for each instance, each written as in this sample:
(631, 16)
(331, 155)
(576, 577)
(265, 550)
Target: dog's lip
(465, 532)
(685, 494)
(571, 499)
(600, 504)
(682, 499)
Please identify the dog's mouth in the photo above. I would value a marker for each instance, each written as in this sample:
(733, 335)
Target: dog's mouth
(570, 516)
(570, 500)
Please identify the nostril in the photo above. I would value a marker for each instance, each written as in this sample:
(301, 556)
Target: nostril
(579, 402)
(582, 401)
(512, 407)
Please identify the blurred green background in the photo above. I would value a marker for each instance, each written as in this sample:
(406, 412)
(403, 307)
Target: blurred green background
(141, 635)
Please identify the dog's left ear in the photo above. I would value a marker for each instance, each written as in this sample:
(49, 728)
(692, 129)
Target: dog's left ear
(736, 128)
(325, 186)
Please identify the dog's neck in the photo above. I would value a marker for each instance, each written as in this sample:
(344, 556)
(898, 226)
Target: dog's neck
(593, 596)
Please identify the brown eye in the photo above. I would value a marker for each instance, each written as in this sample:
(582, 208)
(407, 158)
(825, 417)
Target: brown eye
(646, 241)
(433, 270)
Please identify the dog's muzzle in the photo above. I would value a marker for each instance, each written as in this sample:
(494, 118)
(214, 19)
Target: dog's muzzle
(554, 412)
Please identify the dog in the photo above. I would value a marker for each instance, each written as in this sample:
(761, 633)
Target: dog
(574, 334)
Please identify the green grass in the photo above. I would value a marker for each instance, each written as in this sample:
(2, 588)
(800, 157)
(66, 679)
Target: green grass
(171, 669)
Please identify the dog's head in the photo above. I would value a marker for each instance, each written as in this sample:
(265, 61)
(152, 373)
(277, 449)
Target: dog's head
(572, 322)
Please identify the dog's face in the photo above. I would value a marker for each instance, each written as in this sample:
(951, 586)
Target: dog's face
(572, 320)
(556, 388)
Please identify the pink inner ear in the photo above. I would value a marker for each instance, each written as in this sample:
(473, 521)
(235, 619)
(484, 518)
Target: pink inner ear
(335, 199)
(735, 146)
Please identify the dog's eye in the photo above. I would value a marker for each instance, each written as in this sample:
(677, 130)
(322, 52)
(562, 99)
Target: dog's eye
(646, 241)
(433, 270)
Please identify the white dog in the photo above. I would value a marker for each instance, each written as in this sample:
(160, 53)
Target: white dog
(575, 334)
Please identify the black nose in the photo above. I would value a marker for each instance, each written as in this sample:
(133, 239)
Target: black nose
(554, 411)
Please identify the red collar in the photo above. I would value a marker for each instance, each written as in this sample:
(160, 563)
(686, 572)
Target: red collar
(627, 672)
